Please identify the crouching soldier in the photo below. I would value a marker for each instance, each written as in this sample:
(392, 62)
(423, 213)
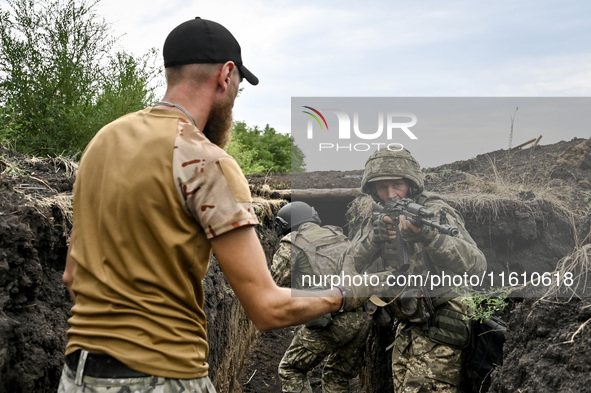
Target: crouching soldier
(308, 250)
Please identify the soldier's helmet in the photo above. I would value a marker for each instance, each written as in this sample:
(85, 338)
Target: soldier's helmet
(292, 215)
(386, 164)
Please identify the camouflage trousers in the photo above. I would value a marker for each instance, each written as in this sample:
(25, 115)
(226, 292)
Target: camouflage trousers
(149, 384)
(343, 342)
(420, 365)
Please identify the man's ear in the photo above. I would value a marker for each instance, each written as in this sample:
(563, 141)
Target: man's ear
(225, 75)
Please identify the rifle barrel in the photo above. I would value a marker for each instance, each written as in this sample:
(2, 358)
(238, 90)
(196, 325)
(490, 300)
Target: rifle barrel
(418, 215)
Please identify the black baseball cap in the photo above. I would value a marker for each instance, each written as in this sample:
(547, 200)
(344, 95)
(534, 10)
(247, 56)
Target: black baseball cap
(201, 41)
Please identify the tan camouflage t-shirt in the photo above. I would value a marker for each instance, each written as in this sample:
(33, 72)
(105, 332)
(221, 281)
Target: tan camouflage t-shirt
(210, 183)
(150, 193)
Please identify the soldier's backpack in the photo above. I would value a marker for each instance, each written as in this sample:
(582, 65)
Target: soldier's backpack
(485, 351)
(323, 247)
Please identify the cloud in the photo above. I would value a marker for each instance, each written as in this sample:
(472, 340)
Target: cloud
(383, 48)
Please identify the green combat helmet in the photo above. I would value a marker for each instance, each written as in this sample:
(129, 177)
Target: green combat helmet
(386, 164)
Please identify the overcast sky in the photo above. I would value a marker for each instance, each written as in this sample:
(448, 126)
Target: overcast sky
(386, 48)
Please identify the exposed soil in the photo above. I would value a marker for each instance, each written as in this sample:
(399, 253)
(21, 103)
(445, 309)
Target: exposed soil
(526, 209)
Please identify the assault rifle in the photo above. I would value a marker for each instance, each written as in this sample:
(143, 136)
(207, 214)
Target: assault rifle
(417, 214)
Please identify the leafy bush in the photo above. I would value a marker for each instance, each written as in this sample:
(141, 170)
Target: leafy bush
(59, 81)
(487, 303)
(264, 151)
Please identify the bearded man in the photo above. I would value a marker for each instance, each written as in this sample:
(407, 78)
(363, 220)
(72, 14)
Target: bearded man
(154, 195)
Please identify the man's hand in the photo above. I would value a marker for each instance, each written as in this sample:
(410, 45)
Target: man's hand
(355, 296)
(414, 234)
(406, 226)
(242, 259)
(383, 230)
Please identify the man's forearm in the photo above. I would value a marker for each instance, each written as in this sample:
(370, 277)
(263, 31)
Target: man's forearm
(243, 262)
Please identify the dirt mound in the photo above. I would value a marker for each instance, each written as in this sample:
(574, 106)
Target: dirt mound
(547, 349)
(33, 304)
(524, 208)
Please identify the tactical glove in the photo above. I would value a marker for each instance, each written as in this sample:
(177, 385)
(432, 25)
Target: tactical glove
(355, 296)
(379, 233)
(352, 300)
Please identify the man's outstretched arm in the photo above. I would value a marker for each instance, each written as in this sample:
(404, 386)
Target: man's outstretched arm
(243, 262)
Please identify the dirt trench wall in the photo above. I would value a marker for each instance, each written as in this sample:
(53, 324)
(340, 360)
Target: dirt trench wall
(230, 333)
(526, 237)
(33, 302)
(547, 349)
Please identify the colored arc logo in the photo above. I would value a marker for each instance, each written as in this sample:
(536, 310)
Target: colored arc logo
(315, 117)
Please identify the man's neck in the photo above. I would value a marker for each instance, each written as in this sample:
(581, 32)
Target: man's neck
(196, 104)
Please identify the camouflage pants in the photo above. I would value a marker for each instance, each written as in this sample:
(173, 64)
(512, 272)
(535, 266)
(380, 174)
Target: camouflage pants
(420, 365)
(343, 341)
(133, 385)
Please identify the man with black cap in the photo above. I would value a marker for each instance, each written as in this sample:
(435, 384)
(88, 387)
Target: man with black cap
(154, 196)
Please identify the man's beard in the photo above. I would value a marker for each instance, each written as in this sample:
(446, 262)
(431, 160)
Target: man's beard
(219, 124)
